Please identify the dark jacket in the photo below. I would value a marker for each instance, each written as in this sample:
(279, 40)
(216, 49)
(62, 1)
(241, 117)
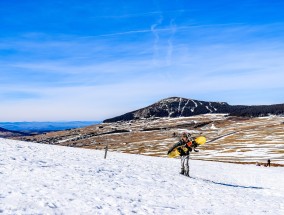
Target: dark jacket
(187, 149)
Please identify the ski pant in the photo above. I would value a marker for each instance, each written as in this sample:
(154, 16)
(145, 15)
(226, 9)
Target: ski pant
(184, 164)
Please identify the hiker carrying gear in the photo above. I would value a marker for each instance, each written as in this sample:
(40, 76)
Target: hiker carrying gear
(188, 144)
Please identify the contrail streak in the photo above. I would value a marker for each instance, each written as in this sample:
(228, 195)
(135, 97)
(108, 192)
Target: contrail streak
(156, 31)
(170, 42)
(157, 38)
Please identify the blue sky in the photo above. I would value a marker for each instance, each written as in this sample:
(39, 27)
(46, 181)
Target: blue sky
(91, 60)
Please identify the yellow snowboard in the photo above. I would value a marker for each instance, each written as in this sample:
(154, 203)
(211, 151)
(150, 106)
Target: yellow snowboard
(176, 151)
(200, 140)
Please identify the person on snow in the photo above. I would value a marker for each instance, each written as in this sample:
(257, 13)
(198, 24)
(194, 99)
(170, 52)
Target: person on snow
(268, 162)
(188, 145)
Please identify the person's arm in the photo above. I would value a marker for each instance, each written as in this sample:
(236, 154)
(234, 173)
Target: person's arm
(195, 146)
(179, 143)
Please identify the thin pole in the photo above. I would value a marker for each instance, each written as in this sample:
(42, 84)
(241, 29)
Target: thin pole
(106, 148)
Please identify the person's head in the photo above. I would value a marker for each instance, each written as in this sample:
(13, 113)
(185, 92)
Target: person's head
(184, 136)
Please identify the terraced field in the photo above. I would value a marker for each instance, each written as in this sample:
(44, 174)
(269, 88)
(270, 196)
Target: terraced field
(241, 140)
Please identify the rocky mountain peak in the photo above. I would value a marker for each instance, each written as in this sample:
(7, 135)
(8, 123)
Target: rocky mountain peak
(174, 107)
(183, 107)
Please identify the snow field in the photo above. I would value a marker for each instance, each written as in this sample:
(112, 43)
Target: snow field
(48, 179)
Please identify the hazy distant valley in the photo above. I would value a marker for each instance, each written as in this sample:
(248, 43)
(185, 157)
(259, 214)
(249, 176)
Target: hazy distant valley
(9, 129)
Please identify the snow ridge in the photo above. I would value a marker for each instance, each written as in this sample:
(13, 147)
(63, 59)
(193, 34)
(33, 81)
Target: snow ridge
(184, 107)
(180, 100)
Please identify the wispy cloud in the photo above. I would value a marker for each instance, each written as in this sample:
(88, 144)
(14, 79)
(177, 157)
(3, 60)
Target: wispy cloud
(151, 13)
(170, 42)
(156, 38)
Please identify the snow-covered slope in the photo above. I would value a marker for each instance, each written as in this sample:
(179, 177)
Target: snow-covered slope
(45, 179)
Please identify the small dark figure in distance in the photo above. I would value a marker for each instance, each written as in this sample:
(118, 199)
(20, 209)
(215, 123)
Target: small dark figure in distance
(268, 162)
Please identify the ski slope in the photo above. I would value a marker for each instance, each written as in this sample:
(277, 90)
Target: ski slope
(47, 179)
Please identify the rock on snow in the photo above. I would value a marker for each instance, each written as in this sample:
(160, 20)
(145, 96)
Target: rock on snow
(46, 179)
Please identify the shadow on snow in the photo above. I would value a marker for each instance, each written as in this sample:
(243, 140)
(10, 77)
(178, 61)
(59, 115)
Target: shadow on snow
(228, 185)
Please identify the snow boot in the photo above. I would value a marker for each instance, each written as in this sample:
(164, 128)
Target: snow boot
(186, 173)
(182, 172)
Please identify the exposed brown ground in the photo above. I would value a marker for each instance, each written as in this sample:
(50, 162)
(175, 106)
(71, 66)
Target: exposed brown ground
(245, 140)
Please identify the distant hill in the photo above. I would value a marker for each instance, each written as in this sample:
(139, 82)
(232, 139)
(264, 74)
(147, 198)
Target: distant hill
(41, 127)
(182, 107)
(5, 133)
(257, 110)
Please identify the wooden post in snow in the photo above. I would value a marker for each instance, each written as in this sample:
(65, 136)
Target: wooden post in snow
(106, 148)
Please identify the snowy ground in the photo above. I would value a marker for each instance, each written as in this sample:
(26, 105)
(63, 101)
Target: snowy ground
(46, 179)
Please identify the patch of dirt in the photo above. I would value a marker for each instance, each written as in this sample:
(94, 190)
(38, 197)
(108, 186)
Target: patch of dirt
(243, 140)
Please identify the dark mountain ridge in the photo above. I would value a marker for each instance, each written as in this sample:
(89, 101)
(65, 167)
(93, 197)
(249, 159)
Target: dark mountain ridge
(182, 107)
(5, 133)
(42, 127)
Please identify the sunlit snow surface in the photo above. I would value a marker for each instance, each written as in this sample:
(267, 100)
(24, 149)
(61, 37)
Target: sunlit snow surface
(46, 179)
